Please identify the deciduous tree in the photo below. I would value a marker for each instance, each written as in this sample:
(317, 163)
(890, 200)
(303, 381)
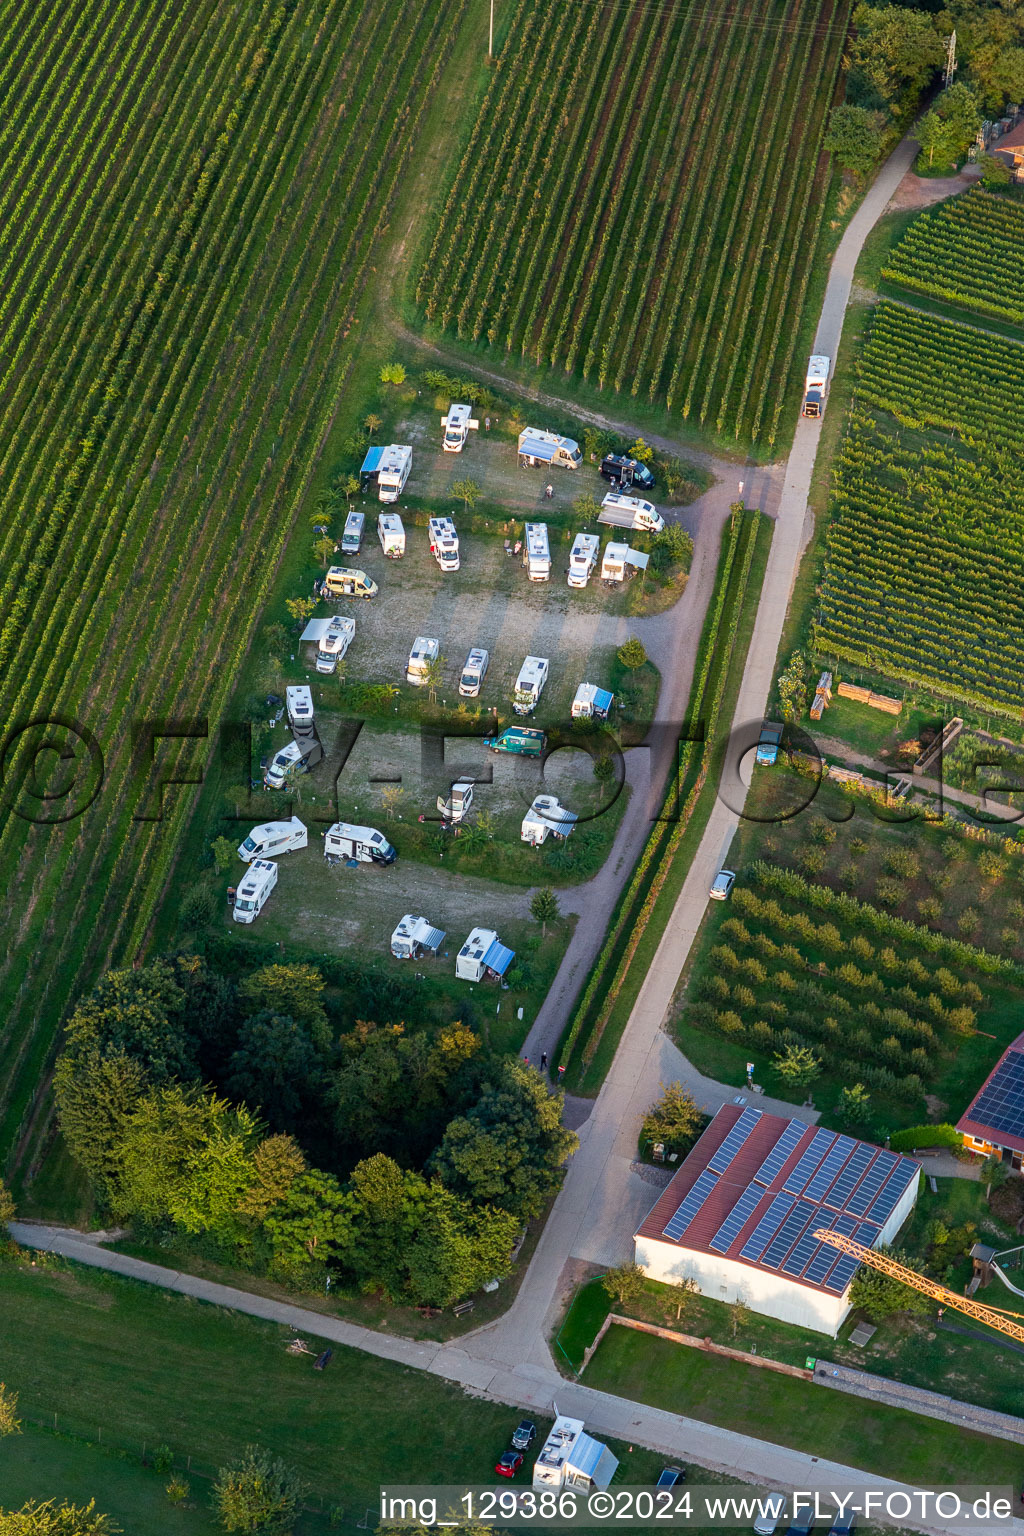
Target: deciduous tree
(258, 1493)
(96, 1095)
(544, 909)
(294, 990)
(276, 1164)
(880, 1296)
(312, 1222)
(854, 138)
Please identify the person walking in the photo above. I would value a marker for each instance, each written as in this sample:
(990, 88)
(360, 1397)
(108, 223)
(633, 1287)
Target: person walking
(549, 491)
(543, 1061)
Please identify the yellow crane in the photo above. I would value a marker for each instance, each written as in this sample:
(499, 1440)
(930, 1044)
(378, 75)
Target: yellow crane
(995, 1317)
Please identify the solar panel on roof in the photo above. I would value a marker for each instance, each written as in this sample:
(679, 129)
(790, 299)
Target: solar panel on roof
(866, 1191)
(690, 1205)
(803, 1252)
(735, 1139)
(786, 1144)
(798, 1177)
(837, 1156)
(827, 1256)
(766, 1228)
(890, 1196)
(843, 1273)
(743, 1209)
(794, 1224)
(848, 1178)
(1000, 1104)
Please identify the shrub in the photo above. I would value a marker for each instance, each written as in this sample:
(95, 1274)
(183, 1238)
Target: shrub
(813, 860)
(823, 831)
(991, 865)
(392, 373)
(967, 922)
(925, 1136)
(903, 862)
(178, 1489)
(198, 907)
(854, 1105)
(890, 892)
(849, 875)
(675, 1119)
(632, 653)
(163, 1458)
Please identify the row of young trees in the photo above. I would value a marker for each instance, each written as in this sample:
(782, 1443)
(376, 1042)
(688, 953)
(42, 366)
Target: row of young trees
(430, 1159)
(116, 477)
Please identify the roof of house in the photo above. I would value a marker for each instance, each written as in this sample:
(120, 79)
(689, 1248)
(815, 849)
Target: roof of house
(1012, 140)
(996, 1113)
(756, 1187)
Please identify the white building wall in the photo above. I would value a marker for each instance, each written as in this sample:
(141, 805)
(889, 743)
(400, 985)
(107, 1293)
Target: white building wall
(906, 1204)
(726, 1280)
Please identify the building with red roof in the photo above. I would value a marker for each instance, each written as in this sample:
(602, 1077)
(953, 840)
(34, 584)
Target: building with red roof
(994, 1120)
(740, 1215)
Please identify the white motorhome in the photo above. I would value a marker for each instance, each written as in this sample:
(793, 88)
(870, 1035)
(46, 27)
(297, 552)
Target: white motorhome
(251, 896)
(424, 651)
(414, 937)
(365, 844)
(618, 511)
(537, 447)
(271, 839)
(343, 581)
(533, 674)
(352, 537)
(391, 533)
(546, 818)
(444, 542)
(482, 956)
(334, 642)
(570, 1458)
(537, 552)
(457, 426)
(473, 672)
(815, 385)
(456, 805)
(393, 471)
(295, 758)
(591, 703)
(583, 558)
(620, 561)
(299, 702)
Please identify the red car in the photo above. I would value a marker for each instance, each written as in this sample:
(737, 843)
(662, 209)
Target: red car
(509, 1464)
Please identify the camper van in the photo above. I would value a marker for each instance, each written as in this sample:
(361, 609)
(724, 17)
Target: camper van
(533, 674)
(423, 652)
(583, 558)
(455, 806)
(364, 844)
(444, 542)
(546, 818)
(352, 538)
(537, 447)
(393, 472)
(342, 581)
(482, 956)
(618, 511)
(391, 533)
(299, 702)
(570, 1458)
(591, 703)
(536, 553)
(414, 937)
(272, 839)
(251, 896)
(334, 642)
(518, 741)
(292, 760)
(473, 672)
(457, 426)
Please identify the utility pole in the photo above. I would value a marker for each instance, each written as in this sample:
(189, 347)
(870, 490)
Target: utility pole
(950, 69)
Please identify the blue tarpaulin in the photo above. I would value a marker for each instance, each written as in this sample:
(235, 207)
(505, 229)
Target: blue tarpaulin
(371, 463)
(536, 448)
(498, 958)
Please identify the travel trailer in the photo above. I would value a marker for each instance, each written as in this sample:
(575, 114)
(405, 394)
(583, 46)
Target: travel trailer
(299, 703)
(415, 937)
(591, 703)
(482, 956)
(546, 818)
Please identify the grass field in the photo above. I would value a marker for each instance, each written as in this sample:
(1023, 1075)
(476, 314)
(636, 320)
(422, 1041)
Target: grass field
(193, 199)
(612, 217)
(887, 1441)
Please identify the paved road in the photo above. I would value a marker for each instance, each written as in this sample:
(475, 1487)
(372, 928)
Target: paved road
(520, 1385)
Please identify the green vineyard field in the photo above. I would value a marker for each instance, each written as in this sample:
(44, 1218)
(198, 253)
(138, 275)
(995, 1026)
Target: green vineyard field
(642, 200)
(924, 567)
(966, 252)
(190, 197)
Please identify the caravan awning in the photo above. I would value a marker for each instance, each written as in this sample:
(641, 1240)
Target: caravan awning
(315, 630)
(638, 558)
(533, 449)
(371, 463)
(560, 821)
(603, 700)
(589, 1458)
(498, 958)
(433, 940)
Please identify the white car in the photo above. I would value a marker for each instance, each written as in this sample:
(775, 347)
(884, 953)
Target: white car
(722, 885)
(772, 1507)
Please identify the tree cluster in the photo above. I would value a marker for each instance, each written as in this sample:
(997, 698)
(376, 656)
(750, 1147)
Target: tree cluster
(403, 1162)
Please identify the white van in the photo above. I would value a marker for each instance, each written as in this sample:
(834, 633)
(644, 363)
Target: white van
(423, 652)
(473, 672)
(583, 558)
(444, 542)
(352, 537)
(334, 642)
(299, 702)
(290, 762)
(272, 839)
(393, 471)
(536, 552)
(533, 674)
(251, 896)
(391, 533)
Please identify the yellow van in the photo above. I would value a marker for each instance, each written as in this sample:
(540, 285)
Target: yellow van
(340, 581)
